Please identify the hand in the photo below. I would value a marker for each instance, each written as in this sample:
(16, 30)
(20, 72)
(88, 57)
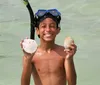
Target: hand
(27, 56)
(71, 50)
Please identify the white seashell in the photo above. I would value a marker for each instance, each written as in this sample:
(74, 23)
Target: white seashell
(68, 41)
(29, 45)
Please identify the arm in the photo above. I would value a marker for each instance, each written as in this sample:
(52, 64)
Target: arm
(69, 64)
(27, 70)
(70, 72)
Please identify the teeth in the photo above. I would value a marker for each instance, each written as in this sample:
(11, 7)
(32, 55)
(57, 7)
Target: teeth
(47, 35)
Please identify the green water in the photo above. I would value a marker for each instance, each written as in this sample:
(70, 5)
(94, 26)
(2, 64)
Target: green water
(80, 19)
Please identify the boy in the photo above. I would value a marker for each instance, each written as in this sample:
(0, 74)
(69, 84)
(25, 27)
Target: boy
(50, 64)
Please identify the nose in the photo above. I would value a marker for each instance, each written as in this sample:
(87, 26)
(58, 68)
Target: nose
(47, 28)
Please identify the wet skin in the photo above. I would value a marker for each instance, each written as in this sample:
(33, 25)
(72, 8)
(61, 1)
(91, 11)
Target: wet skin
(49, 67)
(49, 64)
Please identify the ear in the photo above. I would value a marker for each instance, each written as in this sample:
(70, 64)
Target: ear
(37, 31)
(58, 30)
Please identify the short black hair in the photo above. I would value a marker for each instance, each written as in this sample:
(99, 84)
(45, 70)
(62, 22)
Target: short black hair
(47, 15)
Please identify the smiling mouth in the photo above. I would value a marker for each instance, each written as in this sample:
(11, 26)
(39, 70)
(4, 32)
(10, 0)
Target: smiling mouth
(48, 35)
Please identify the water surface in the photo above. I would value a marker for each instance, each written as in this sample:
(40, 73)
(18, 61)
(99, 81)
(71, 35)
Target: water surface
(80, 20)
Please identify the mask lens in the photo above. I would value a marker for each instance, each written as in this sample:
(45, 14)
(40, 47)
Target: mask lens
(41, 13)
(54, 12)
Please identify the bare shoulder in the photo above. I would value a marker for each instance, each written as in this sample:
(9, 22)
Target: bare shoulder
(60, 50)
(60, 47)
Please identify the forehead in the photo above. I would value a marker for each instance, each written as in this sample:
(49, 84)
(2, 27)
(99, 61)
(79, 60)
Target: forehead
(48, 20)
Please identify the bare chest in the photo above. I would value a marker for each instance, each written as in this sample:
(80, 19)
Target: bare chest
(48, 63)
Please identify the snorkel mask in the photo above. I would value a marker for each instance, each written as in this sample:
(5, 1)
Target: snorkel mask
(42, 14)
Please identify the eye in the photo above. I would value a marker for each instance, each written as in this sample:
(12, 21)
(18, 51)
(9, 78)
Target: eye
(52, 26)
(43, 26)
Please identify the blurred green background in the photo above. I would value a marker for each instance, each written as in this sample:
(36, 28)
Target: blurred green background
(80, 20)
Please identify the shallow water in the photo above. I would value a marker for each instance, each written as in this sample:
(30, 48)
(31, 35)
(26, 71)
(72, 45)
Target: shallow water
(80, 19)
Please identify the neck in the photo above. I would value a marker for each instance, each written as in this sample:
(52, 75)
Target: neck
(47, 46)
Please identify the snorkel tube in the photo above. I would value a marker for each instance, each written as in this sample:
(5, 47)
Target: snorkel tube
(32, 25)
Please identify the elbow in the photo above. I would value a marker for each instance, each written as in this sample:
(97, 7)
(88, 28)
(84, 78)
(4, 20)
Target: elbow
(73, 81)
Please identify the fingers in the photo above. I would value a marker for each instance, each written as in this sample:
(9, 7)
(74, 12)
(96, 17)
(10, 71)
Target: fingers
(71, 50)
(21, 43)
(26, 54)
(71, 47)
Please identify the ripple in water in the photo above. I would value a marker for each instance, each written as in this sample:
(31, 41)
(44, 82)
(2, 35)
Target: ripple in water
(2, 56)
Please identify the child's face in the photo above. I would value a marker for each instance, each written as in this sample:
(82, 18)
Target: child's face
(47, 29)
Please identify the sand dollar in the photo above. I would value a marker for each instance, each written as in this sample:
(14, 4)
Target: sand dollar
(68, 41)
(29, 45)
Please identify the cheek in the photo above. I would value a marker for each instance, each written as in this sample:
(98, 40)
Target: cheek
(41, 31)
(56, 31)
